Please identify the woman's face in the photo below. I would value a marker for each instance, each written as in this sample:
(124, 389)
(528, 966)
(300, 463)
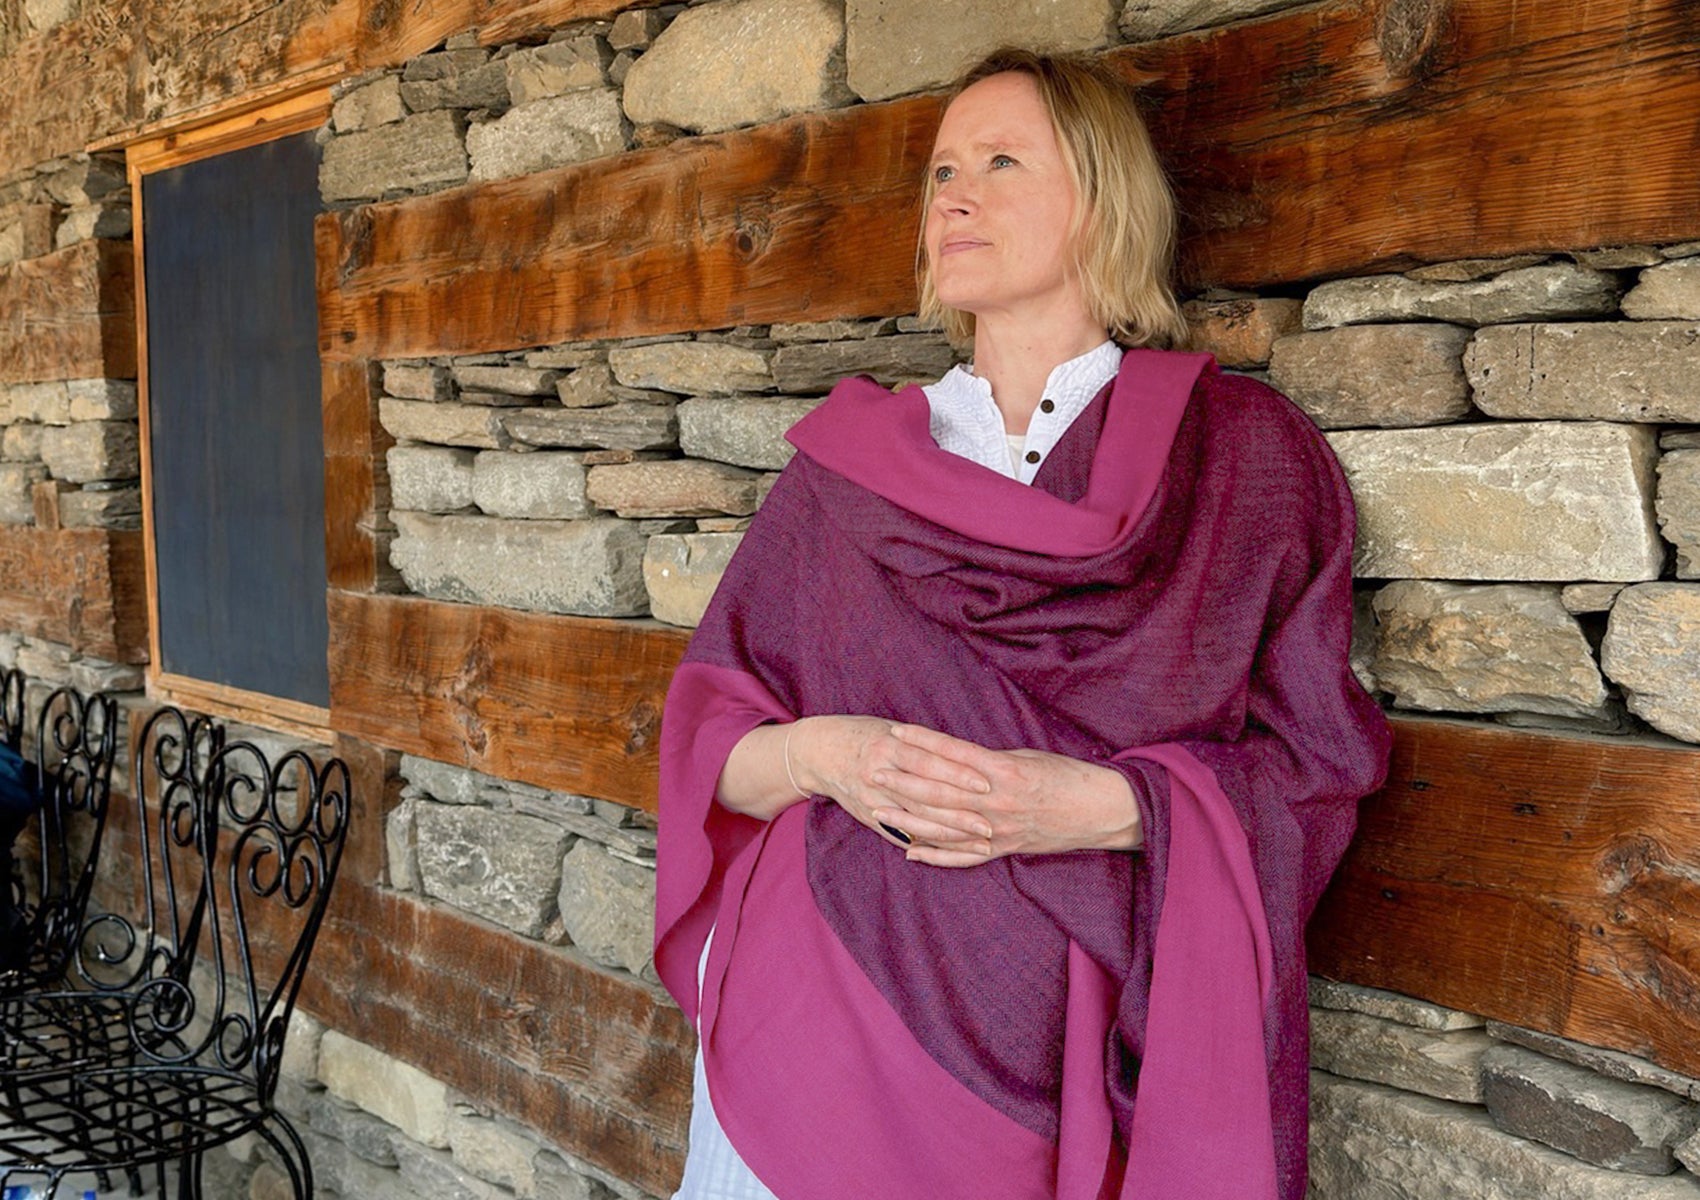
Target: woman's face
(997, 232)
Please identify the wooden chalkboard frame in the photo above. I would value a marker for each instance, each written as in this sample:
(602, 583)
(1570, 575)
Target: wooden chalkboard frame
(284, 115)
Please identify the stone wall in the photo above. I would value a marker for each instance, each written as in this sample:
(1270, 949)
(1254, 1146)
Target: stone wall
(1517, 433)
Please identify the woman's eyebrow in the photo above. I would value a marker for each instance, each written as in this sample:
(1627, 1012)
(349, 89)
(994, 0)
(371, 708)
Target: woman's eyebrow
(985, 146)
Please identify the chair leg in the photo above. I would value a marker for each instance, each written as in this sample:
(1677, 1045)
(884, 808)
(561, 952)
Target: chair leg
(280, 1135)
(188, 1177)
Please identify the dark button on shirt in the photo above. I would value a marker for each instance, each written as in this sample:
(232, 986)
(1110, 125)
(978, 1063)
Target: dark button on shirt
(1032, 456)
(1047, 405)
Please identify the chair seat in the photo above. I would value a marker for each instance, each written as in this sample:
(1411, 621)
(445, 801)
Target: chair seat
(46, 1034)
(103, 1119)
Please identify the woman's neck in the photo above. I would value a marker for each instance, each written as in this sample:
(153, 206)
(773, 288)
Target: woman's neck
(1017, 361)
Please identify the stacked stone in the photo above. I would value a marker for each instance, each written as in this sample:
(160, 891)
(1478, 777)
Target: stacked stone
(610, 479)
(61, 202)
(1414, 1100)
(377, 1128)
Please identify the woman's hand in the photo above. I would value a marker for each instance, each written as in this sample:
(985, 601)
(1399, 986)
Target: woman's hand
(1038, 803)
(860, 763)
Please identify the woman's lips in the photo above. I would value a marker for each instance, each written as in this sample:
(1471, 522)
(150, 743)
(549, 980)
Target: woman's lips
(957, 245)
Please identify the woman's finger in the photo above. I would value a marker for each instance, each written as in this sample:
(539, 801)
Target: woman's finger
(921, 828)
(930, 764)
(968, 754)
(941, 856)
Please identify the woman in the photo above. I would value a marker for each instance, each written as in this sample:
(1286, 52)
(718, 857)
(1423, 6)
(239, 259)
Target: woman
(1019, 740)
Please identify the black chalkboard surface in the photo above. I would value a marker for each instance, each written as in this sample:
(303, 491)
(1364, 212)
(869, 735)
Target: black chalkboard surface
(237, 444)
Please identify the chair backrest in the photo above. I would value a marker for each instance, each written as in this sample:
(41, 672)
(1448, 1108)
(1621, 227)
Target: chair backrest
(238, 855)
(75, 745)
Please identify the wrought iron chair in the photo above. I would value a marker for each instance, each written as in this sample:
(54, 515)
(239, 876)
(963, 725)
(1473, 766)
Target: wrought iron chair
(134, 1067)
(76, 743)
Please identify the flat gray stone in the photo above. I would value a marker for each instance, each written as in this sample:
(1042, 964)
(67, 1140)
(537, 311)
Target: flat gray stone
(1241, 332)
(1600, 370)
(103, 220)
(87, 178)
(628, 425)
(443, 781)
(546, 133)
(590, 568)
(91, 450)
(1652, 652)
(1145, 19)
(386, 1087)
(829, 331)
(101, 399)
(1375, 375)
(1616, 258)
(17, 484)
(547, 484)
(678, 488)
(1552, 292)
(21, 443)
(401, 846)
(569, 65)
(482, 86)
(435, 1174)
(898, 46)
(408, 382)
(1370, 1142)
(681, 572)
(494, 1151)
(808, 367)
(513, 381)
(363, 1134)
(590, 386)
(740, 62)
(1668, 291)
(1688, 1151)
(1431, 1063)
(369, 105)
(44, 403)
(1678, 506)
(608, 906)
(1448, 647)
(746, 431)
(1466, 270)
(117, 508)
(692, 368)
(1389, 1006)
(1613, 1064)
(502, 866)
(635, 29)
(1559, 501)
(476, 425)
(1589, 597)
(427, 150)
(1602, 1121)
(434, 479)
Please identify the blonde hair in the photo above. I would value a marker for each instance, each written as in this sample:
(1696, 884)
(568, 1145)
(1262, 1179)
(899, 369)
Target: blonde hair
(1124, 220)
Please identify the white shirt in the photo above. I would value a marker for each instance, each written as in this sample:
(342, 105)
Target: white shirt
(966, 421)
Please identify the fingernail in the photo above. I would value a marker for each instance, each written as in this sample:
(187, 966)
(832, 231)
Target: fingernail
(896, 833)
(984, 831)
(982, 787)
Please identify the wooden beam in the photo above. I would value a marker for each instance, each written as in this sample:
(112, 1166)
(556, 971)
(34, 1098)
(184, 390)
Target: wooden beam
(561, 702)
(356, 475)
(1351, 137)
(1320, 141)
(1537, 878)
(596, 1062)
(69, 315)
(80, 587)
(800, 220)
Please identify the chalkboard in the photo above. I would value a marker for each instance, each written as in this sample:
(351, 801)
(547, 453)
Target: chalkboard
(237, 443)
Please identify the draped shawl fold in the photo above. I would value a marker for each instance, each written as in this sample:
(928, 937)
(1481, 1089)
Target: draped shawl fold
(1171, 598)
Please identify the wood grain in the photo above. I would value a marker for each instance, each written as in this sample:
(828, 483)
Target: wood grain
(597, 1063)
(560, 702)
(1541, 879)
(356, 477)
(80, 587)
(69, 315)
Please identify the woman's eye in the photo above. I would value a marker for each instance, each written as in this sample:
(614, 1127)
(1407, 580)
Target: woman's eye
(1002, 160)
(943, 174)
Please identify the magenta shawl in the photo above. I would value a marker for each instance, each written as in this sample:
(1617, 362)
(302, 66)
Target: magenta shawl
(1172, 599)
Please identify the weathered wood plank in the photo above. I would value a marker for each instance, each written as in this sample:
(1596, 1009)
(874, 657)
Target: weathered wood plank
(800, 220)
(69, 315)
(560, 702)
(1343, 138)
(356, 478)
(1312, 143)
(597, 1063)
(80, 587)
(1537, 878)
